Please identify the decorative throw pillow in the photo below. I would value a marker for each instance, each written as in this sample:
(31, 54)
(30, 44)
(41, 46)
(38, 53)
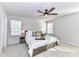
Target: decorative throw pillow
(36, 34)
(39, 33)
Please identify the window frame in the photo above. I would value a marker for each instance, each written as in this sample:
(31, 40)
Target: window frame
(51, 29)
(15, 27)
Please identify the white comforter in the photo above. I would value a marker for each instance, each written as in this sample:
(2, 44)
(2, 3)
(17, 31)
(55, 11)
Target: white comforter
(33, 44)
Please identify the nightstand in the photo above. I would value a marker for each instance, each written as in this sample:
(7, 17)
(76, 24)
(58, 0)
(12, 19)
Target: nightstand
(22, 39)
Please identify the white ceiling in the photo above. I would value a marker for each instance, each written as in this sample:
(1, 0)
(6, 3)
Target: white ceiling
(28, 9)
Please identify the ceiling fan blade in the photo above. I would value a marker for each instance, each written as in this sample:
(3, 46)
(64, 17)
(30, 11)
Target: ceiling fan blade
(40, 11)
(40, 15)
(51, 9)
(53, 14)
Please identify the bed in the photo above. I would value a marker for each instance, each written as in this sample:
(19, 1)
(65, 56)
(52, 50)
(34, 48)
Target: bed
(37, 46)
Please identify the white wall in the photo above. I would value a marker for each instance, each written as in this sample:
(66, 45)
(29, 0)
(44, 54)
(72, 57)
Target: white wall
(31, 24)
(27, 24)
(3, 28)
(66, 28)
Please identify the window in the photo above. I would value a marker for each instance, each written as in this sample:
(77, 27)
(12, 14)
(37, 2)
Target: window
(50, 28)
(43, 25)
(15, 27)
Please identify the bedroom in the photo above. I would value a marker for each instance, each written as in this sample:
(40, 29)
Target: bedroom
(64, 27)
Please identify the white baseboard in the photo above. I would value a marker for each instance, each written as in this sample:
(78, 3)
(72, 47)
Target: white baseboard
(13, 42)
(70, 42)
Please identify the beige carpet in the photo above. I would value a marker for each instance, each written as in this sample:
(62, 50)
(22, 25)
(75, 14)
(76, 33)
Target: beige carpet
(20, 50)
(59, 51)
(15, 50)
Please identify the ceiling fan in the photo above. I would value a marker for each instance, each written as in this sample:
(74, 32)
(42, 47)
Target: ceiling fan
(47, 12)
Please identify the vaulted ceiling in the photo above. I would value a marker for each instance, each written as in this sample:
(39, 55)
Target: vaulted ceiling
(29, 9)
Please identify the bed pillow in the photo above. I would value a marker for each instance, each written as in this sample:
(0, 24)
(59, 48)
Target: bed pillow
(36, 34)
(29, 33)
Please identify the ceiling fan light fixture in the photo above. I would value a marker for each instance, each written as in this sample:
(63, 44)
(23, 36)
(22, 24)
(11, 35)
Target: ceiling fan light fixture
(45, 15)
